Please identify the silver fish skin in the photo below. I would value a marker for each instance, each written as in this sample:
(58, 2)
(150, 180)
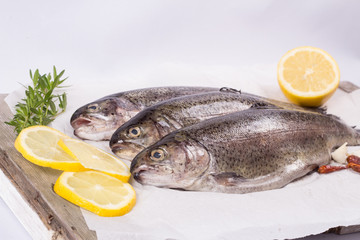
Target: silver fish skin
(243, 152)
(153, 123)
(99, 119)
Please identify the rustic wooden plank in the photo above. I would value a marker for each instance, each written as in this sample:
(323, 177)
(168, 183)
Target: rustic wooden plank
(341, 230)
(63, 219)
(348, 86)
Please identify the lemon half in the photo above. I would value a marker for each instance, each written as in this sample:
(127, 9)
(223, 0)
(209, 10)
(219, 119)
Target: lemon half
(308, 76)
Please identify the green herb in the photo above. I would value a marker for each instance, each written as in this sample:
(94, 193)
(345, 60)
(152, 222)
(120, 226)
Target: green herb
(41, 105)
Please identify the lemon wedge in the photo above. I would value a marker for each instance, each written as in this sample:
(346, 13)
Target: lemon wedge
(97, 192)
(308, 76)
(38, 144)
(94, 158)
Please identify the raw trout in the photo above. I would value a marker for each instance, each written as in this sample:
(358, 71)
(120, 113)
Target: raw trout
(243, 152)
(153, 123)
(99, 119)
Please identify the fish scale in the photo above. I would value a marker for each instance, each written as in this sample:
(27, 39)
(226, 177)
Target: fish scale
(160, 119)
(99, 119)
(245, 151)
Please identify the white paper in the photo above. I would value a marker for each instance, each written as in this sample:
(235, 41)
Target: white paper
(308, 206)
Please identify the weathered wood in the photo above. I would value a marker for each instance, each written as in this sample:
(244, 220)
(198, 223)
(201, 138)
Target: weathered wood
(348, 86)
(341, 230)
(35, 184)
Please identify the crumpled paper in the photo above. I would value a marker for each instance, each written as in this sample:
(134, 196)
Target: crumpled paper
(310, 205)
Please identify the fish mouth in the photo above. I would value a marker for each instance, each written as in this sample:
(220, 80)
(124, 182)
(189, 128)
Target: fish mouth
(79, 122)
(151, 175)
(137, 175)
(126, 150)
(139, 172)
(86, 128)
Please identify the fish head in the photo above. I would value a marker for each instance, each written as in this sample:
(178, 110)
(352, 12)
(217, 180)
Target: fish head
(133, 137)
(174, 162)
(99, 119)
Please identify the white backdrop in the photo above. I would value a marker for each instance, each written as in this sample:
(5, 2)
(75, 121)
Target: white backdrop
(119, 41)
(130, 44)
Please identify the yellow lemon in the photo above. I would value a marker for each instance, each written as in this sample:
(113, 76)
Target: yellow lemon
(97, 192)
(308, 76)
(94, 158)
(38, 144)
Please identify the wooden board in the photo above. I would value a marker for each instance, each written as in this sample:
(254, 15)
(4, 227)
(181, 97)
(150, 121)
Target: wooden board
(61, 219)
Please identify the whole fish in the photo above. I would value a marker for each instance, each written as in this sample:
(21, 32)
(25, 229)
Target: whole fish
(153, 123)
(243, 152)
(99, 119)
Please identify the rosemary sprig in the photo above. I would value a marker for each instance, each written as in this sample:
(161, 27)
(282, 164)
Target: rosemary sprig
(41, 105)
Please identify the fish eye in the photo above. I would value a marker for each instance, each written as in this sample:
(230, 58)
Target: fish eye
(134, 132)
(93, 107)
(157, 154)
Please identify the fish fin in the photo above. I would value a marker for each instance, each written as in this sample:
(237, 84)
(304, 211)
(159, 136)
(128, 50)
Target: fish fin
(262, 105)
(228, 179)
(231, 90)
(322, 110)
(232, 183)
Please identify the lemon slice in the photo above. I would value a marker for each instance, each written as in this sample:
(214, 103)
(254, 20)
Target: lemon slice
(308, 76)
(38, 144)
(97, 192)
(94, 158)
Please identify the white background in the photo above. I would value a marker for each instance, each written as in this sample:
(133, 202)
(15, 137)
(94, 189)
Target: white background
(128, 44)
(116, 41)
